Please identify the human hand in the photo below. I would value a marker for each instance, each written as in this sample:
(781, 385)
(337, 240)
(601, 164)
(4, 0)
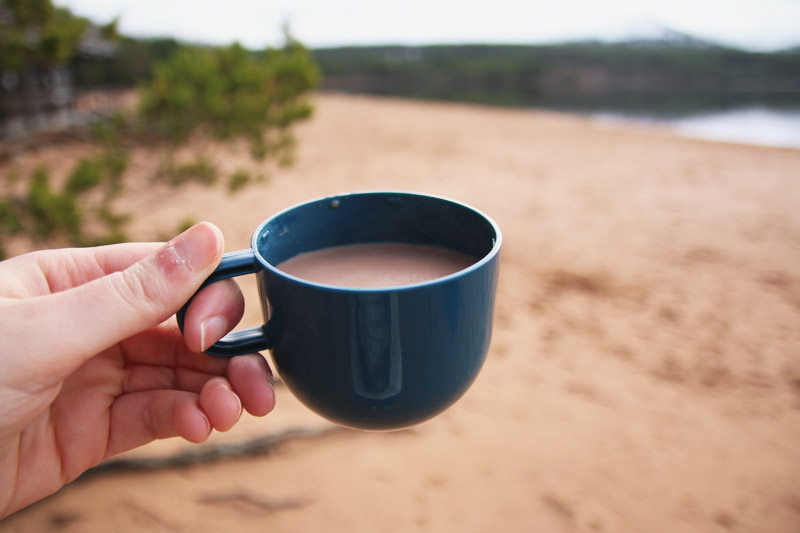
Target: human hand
(91, 367)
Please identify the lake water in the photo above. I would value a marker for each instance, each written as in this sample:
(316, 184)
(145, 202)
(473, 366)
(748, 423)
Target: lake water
(751, 125)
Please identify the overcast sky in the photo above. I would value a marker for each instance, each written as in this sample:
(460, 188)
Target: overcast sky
(751, 24)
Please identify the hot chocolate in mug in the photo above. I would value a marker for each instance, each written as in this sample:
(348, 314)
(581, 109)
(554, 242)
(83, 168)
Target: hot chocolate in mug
(376, 358)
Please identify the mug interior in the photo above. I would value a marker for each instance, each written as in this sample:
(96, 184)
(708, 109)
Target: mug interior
(364, 218)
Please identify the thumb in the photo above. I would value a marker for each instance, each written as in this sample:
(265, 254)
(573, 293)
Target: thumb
(92, 317)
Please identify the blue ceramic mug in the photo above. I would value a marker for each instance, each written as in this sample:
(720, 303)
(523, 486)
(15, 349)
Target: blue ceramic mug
(374, 359)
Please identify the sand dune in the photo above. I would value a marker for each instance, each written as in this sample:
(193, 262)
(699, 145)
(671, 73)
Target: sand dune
(644, 374)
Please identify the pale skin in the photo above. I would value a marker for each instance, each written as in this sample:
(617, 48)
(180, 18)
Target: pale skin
(93, 364)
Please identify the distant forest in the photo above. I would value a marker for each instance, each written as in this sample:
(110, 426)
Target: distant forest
(673, 75)
(667, 76)
(131, 64)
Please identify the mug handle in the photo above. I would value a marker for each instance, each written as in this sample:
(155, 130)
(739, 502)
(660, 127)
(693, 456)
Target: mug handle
(236, 342)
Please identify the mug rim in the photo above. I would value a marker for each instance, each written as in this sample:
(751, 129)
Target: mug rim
(394, 288)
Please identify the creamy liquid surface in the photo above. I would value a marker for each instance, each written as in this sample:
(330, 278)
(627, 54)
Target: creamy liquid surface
(375, 265)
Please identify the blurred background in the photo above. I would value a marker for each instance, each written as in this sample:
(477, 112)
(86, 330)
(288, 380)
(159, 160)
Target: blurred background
(704, 68)
(641, 158)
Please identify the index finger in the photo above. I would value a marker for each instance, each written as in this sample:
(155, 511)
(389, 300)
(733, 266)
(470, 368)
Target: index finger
(164, 345)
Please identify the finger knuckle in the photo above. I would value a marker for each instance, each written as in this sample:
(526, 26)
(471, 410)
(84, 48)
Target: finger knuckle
(134, 292)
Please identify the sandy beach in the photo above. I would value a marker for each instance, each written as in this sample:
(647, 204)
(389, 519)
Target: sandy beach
(644, 372)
